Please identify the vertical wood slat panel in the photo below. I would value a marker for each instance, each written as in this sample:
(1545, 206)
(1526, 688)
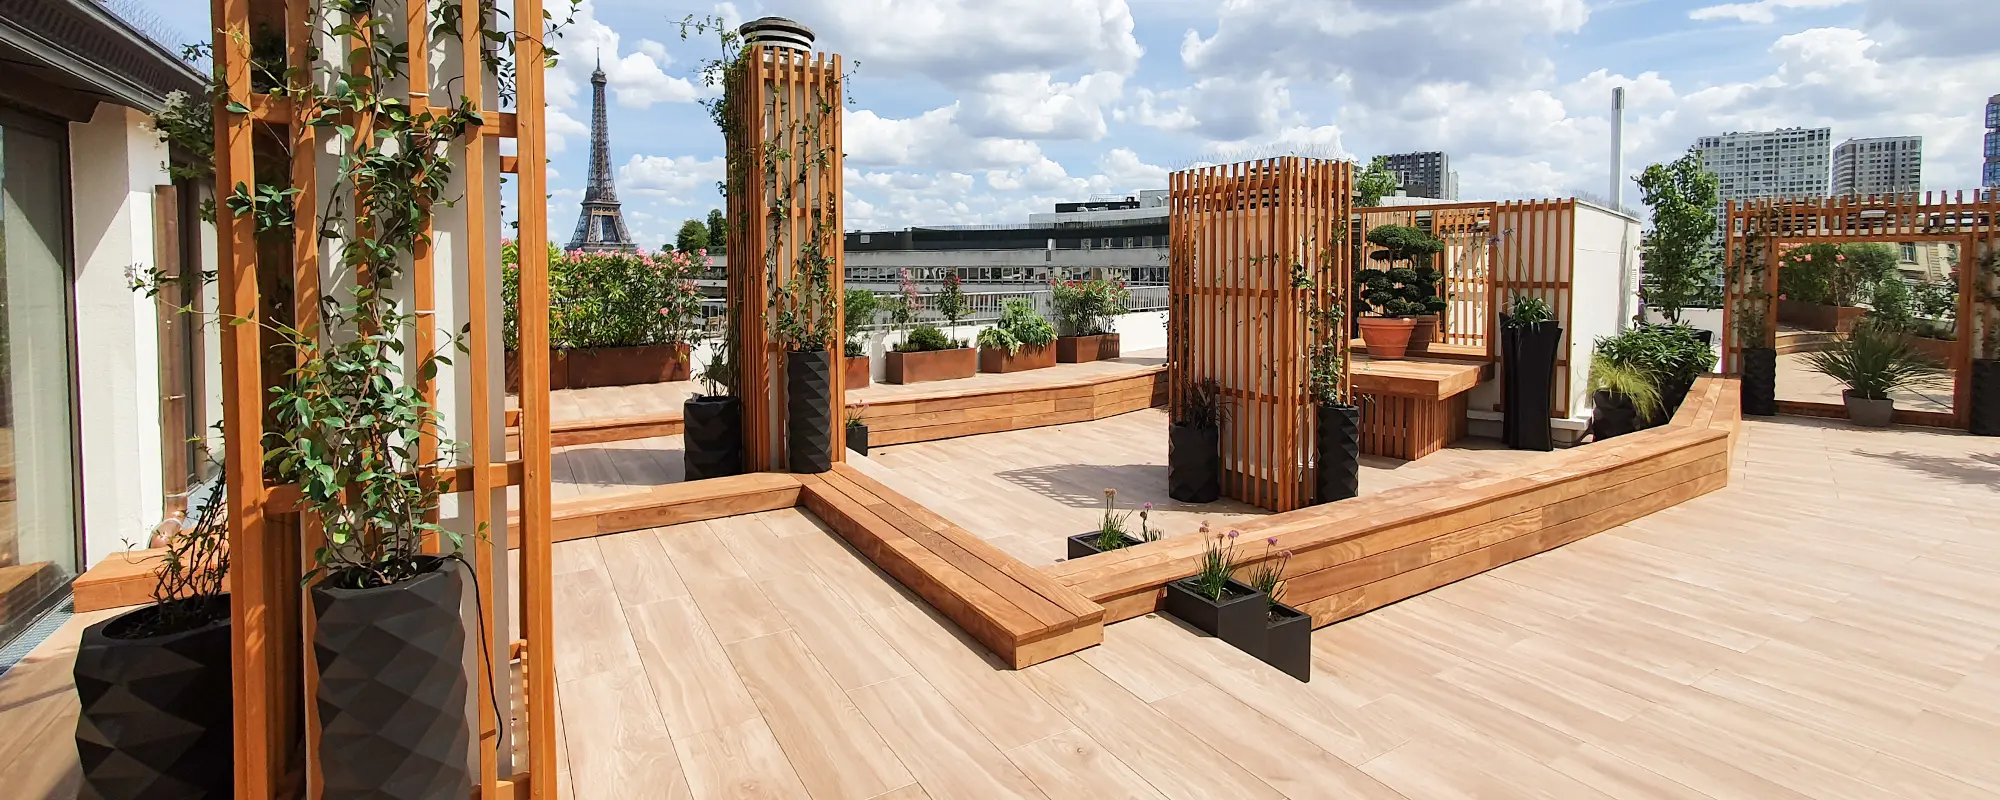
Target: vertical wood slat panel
(479, 438)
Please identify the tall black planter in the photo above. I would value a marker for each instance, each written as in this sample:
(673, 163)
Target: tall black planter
(1760, 381)
(1194, 463)
(155, 718)
(1338, 445)
(392, 687)
(1528, 385)
(809, 410)
(712, 438)
(1985, 411)
(1612, 415)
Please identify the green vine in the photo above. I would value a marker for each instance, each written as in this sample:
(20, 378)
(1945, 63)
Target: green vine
(1325, 313)
(1753, 303)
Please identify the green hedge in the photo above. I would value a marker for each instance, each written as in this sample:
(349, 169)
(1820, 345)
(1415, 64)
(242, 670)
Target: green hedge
(611, 299)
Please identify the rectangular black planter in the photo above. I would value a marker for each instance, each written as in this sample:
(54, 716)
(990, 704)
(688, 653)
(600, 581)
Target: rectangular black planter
(1338, 440)
(857, 438)
(1985, 411)
(1528, 353)
(1194, 463)
(1085, 544)
(1288, 641)
(1238, 619)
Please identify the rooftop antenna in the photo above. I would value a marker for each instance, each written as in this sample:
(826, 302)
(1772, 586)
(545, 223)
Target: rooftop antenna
(1617, 194)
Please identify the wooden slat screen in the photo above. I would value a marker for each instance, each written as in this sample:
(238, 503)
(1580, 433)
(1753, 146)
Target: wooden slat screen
(1236, 233)
(1466, 264)
(1536, 257)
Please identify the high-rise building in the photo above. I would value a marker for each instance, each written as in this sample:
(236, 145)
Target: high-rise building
(600, 225)
(1426, 174)
(1887, 165)
(1785, 163)
(1991, 176)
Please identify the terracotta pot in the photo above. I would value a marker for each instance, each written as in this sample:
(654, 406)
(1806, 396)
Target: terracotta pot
(1030, 356)
(1424, 333)
(1387, 338)
(934, 365)
(856, 372)
(1085, 349)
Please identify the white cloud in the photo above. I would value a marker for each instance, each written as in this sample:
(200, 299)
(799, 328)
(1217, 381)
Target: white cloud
(933, 139)
(1026, 104)
(684, 178)
(636, 79)
(1761, 12)
(959, 42)
(1220, 108)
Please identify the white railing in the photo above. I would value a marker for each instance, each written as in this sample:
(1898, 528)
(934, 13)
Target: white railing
(986, 306)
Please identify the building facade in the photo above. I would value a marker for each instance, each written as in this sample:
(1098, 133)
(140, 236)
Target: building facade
(1425, 174)
(1786, 163)
(1990, 176)
(1880, 166)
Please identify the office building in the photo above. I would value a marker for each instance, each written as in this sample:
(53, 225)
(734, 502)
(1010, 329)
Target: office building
(1881, 166)
(1785, 163)
(1991, 175)
(1426, 174)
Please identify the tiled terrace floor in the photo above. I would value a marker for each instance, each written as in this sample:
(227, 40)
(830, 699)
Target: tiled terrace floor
(1797, 382)
(1824, 627)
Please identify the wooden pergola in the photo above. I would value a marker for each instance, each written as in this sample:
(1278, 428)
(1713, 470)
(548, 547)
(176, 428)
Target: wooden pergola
(1756, 231)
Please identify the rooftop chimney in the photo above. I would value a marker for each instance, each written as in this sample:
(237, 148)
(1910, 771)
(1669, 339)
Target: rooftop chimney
(776, 32)
(1617, 195)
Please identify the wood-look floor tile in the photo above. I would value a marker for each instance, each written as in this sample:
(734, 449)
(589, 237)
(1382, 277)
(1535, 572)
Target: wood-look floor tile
(1071, 764)
(691, 677)
(619, 747)
(738, 762)
(833, 748)
(949, 757)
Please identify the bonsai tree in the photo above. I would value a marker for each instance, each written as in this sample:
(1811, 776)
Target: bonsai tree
(1678, 256)
(861, 306)
(1409, 286)
(1019, 325)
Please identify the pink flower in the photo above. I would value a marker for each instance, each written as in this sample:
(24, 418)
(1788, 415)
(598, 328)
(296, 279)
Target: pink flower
(1234, 534)
(1273, 541)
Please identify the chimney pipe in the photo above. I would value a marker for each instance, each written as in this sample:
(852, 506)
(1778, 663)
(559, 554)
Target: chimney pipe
(1617, 194)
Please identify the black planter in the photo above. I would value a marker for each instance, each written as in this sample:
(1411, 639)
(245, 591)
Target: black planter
(1338, 445)
(1194, 463)
(1288, 641)
(392, 687)
(857, 438)
(1985, 410)
(809, 410)
(1085, 544)
(1672, 394)
(712, 437)
(1760, 381)
(1612, 415)
(1238, 619)
(1528, 385)
(155, 712)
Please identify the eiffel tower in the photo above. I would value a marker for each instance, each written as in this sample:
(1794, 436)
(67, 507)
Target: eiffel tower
(600, 227)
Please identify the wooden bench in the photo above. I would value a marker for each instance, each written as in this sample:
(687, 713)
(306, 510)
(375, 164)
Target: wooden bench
(1413, 408)
(989, 409)
(1022, 615)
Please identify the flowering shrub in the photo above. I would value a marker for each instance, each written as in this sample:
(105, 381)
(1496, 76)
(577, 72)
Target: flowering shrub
(1085, 307)
(611, 299)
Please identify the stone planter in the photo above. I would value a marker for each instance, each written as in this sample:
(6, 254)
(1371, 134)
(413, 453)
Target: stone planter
(1868, 413)
(155, 716)
(856, 372)
(809, 410)
(933, 365)
(609, 366)
(1030, 356)
(1387, 338)
(1085, 349)
(1194, 463)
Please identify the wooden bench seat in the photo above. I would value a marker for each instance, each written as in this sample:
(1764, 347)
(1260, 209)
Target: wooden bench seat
(1022, 615)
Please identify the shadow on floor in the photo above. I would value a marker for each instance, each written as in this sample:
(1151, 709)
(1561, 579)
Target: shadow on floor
(1083, 485)
(1977, 469)
(619, 466)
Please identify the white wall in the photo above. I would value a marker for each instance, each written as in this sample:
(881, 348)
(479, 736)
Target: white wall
(115, 162)
(1604, 287)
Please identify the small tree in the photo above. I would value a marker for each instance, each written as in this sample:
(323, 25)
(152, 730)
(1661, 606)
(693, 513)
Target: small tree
(860, 308)
(952, 303)
(1375, 183)
(1679, 256)
(718, 232)
(693, 237)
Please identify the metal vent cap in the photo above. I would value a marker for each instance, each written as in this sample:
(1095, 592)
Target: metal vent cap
(776, 32)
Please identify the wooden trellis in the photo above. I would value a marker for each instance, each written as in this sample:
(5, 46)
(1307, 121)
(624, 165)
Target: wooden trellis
(784, 197)
(1536, 257)
(1237, 232)
(271, 545)
(1755, 232)
(1465, 263)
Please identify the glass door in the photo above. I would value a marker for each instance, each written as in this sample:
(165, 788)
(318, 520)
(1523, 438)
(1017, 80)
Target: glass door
(38, 499)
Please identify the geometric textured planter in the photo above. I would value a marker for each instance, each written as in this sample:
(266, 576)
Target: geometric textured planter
(1238, 619)
(392, 687)
(1288, 641)
(1085, 349)
(155, 718)
(1085, 544)
(930, 365)
(1985, 397)
(1337, 436)
(1760, 381)
(809, 410)
(1672, 394)
(1031, 356)
(1528, 354)
(1194, 463)
(711, 438)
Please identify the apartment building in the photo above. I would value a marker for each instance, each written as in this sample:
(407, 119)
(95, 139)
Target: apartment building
(1784, 163)
(1878, 166)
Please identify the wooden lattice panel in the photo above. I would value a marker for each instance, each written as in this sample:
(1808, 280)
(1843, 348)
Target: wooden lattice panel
(1465, 263)
(1536, 257)
(1237, 232)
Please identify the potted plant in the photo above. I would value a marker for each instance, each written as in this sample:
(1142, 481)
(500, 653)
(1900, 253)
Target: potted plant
(1621, 395)
(804, 312)
(153, 684)
(861, 307)
(926, 354)
(857, 429)
(712, 422)
(1406, 290)
(1217, 604)
(1020, 341)
(1759, 387)
(1194, 444)
(615, 319)
(1336, 418)
(1288, 631)
(1670, 355)
(1529, 342)
(389, 640)
(1874, 361)
(1110, 534)
(1985, 378)
(1085, 310)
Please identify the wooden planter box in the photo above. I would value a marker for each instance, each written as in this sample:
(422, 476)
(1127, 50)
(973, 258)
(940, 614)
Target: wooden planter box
(1816, 317)
(1938, 350)
(609, 366)
(935, 365)
(996, 359)
(857, 372)
(1082, 349)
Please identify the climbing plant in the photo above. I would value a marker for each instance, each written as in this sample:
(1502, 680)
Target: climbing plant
(1325, 313)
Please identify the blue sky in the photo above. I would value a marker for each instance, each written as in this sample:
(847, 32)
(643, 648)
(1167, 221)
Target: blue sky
(985, 110)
